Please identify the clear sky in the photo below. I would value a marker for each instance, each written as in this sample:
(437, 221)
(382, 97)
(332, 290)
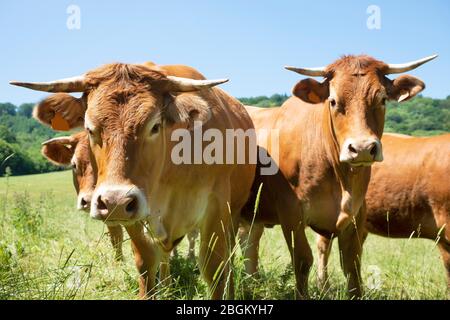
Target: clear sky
(248, 41)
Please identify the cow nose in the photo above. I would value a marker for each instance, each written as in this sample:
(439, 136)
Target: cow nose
(118, 204)
(84, 202)
(361, 152)
(108, 204)
(371, 148)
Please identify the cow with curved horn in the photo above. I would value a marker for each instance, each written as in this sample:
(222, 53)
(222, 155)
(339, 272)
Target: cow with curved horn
(130, 113)
(74, 151)
(329, 136)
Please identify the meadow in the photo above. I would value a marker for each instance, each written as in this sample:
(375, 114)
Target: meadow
(49, 250)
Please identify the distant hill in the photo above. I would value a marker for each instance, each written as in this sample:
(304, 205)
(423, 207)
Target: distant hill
(22, 135)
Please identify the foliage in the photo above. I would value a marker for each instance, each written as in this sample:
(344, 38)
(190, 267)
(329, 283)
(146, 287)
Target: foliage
(15, 159)
(275, 100)
(7, 135)
(27, 218)
(22, 135)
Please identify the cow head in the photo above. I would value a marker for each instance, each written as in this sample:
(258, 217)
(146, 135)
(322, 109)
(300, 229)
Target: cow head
(74, 151)
(355, 90)
(129, 112)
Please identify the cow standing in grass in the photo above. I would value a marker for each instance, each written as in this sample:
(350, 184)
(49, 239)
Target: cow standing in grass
(329, 136)
(408, 195)
(74, 151)
(130, 113)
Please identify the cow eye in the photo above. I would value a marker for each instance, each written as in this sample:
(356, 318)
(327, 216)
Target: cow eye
(74, 166)
(155, 128)
(383, 101)
(333, 102)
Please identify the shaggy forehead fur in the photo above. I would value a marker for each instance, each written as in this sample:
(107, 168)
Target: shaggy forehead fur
(358, 77)
(124, 96)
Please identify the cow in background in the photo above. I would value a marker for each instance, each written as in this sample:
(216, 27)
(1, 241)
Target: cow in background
(74, 151)
(408, 195)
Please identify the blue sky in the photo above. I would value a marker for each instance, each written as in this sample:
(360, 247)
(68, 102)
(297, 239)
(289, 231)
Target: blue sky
(247, 41)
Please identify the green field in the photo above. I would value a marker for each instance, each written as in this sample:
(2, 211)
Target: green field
(48, 250)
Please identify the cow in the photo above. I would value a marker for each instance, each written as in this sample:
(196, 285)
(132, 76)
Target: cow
(408, 195)
(74, 151)
(329, 136)
(130, 112)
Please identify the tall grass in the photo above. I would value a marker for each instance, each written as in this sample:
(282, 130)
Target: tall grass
(48, 250)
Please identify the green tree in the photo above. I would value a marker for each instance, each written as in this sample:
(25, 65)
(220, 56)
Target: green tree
(15, 159)
(7, 108)
(7, 135)
(25, 110)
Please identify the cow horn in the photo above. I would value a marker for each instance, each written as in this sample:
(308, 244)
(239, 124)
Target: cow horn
(185, 85)
(74, 84)
(312, 72)
(61, 140)
(403, 67)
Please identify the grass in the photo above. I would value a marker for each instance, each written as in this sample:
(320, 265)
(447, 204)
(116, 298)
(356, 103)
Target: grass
(48, 250)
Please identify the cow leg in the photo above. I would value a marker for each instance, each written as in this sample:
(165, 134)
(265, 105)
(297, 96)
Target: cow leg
(445, 254)
(301, 255)
(350, 241)
(441, 214)
(116, 236)
(147, 258)
(192, 236)
(324, 248)
(216, 246)
(249, 237)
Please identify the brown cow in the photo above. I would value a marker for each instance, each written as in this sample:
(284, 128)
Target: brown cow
(408, 195)
(131, 112)
(74, 150)
(329, 135)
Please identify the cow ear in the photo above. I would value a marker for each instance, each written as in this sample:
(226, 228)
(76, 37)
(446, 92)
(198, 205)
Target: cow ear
(59, 150)
(405, 87)
(311, 91)
(61, 111)
(186, 109)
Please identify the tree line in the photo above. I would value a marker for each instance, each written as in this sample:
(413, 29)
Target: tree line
(21, 135)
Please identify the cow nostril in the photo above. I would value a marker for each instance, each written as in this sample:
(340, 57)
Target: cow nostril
(100, 204)
(83, 202)
(373, 150)
(351, 149)
(132, 206)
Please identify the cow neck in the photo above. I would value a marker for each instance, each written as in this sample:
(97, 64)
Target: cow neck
(342, 171)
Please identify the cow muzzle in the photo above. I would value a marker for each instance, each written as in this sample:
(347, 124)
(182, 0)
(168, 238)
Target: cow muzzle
(361, 152)
(119, 204)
